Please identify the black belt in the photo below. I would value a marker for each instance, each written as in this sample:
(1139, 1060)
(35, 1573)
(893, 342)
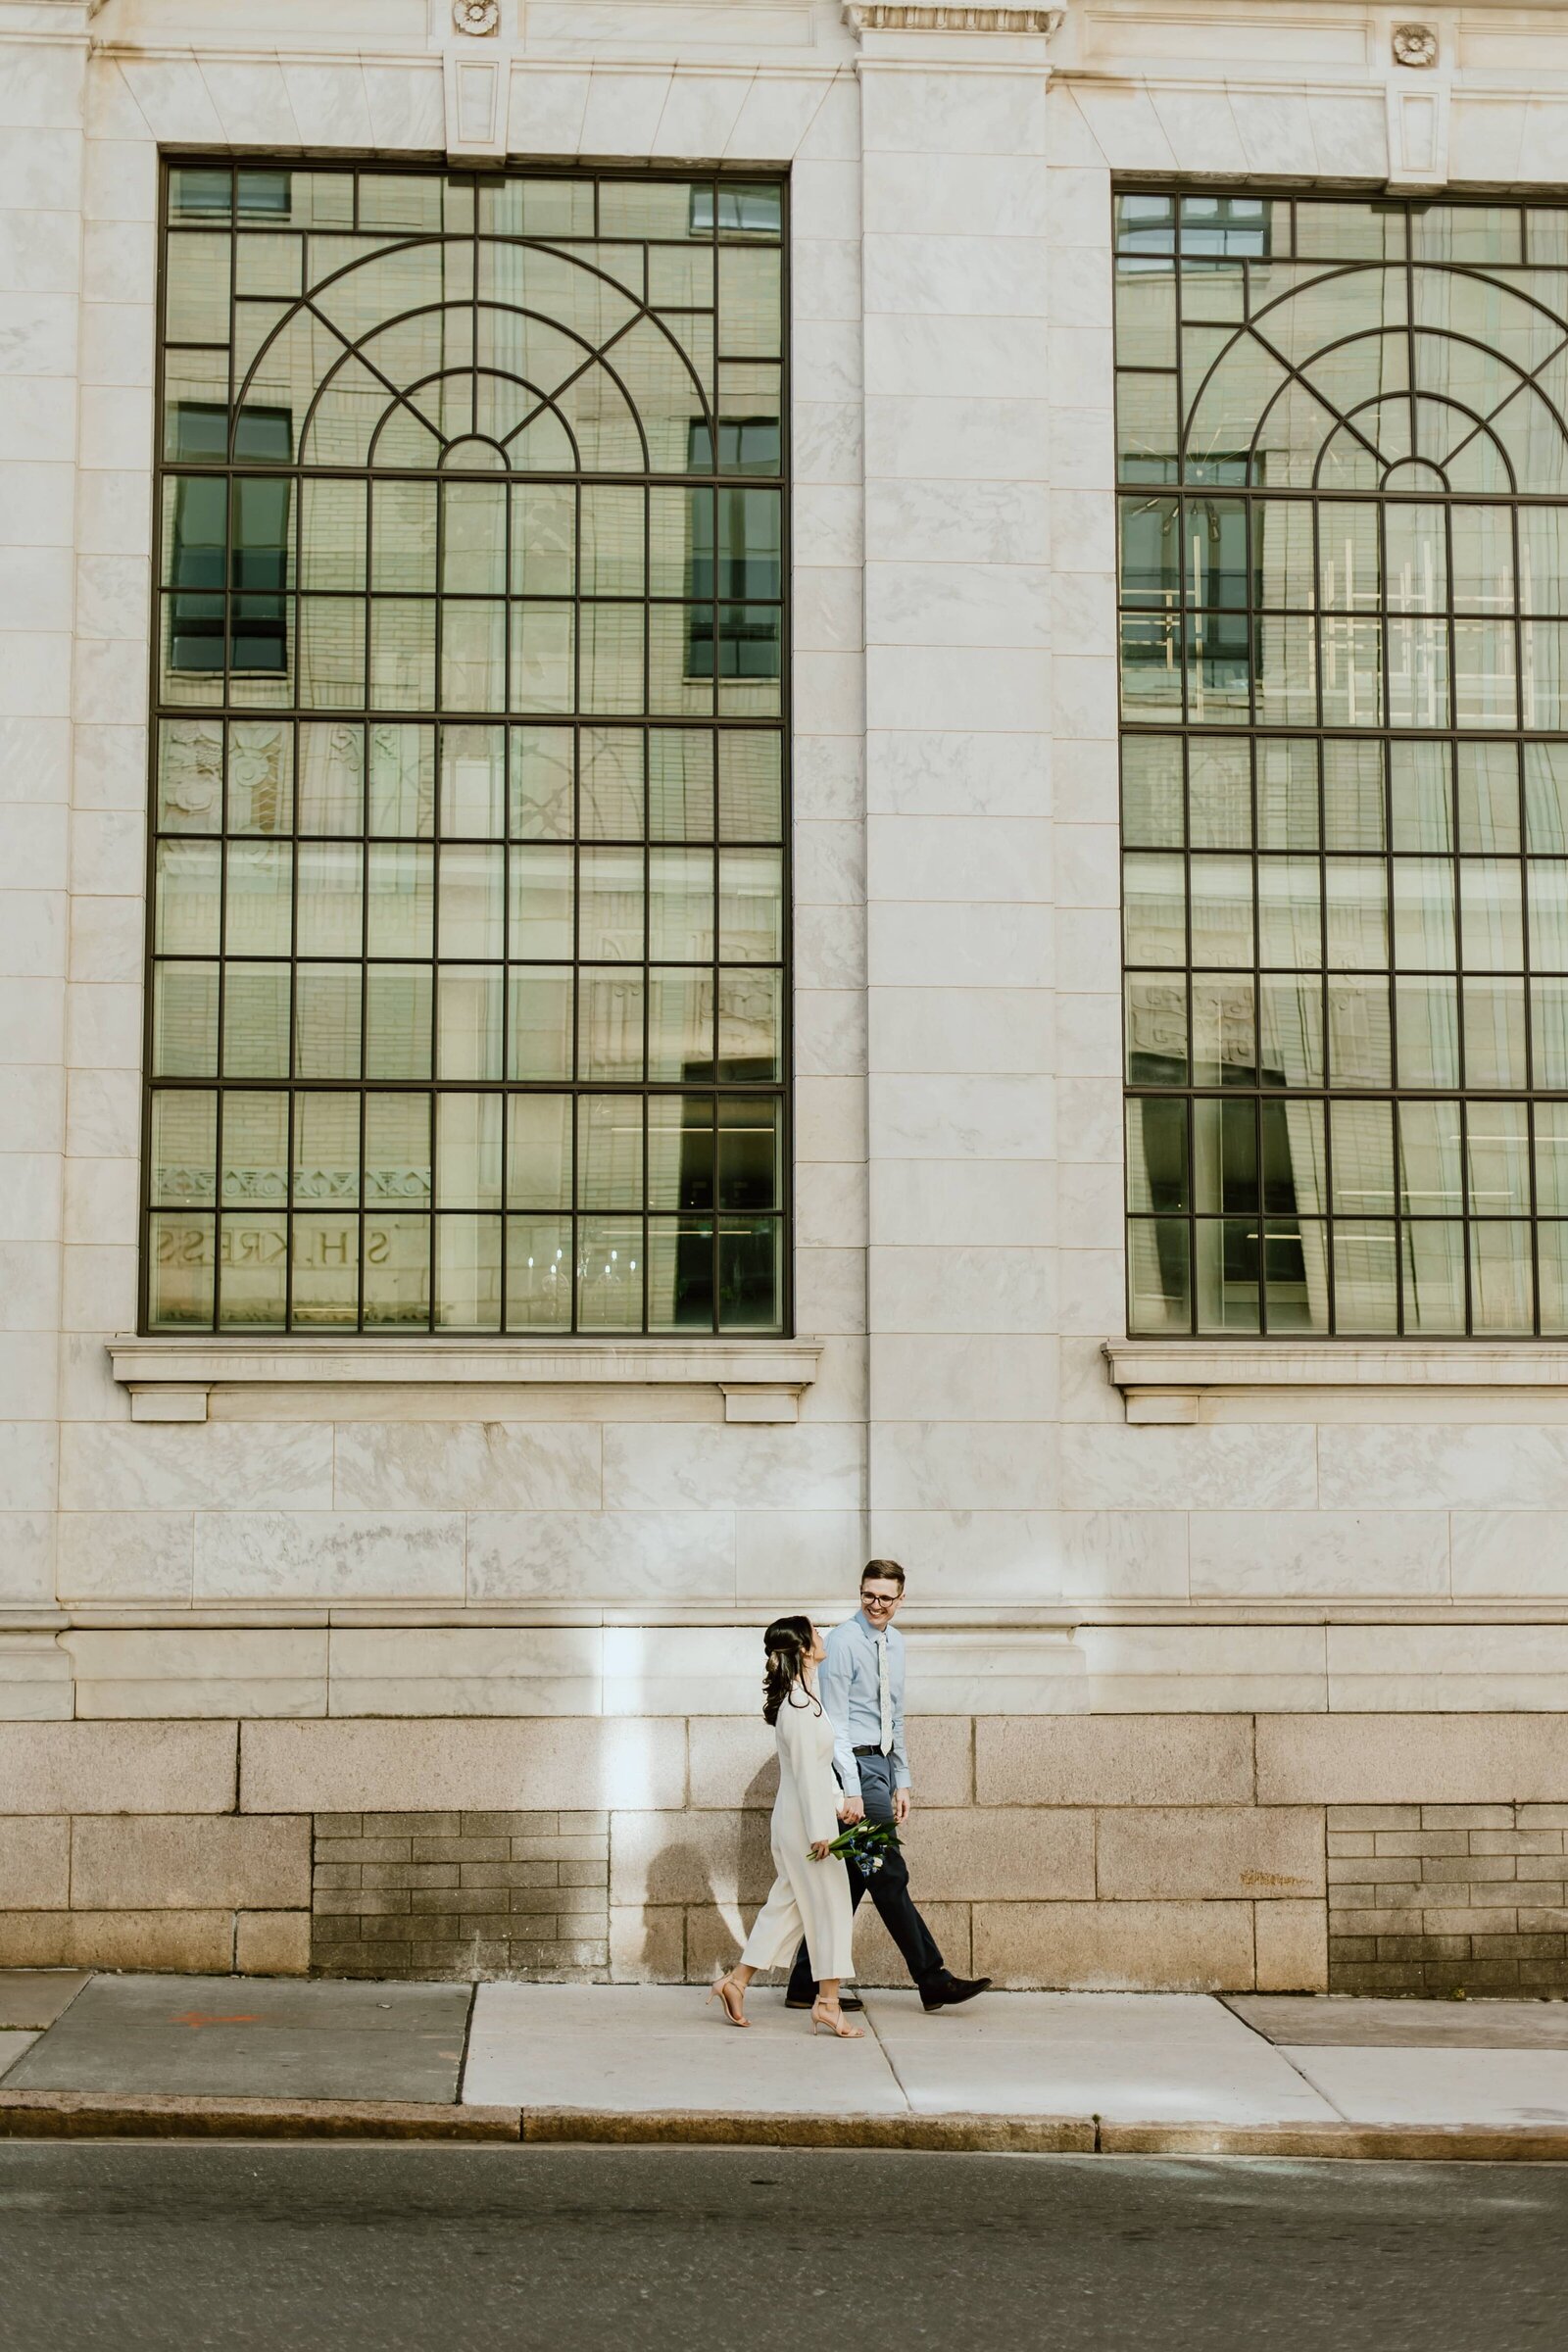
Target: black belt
(872, 1750)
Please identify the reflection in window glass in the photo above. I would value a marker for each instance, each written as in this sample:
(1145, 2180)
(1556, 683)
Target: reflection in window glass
(468, 936)
(1344, 587)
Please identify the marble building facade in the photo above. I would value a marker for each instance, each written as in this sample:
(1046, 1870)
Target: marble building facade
(1239, 1646)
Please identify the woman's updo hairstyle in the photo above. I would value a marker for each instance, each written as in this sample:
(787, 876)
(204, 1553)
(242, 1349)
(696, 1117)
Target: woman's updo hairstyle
(788, 1643)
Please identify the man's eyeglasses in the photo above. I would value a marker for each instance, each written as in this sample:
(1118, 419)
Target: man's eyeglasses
(880, 1600)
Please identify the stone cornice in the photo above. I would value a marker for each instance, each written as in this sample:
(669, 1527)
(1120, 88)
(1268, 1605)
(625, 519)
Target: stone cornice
(1168, 1380)
(171, 1378)
(892, 15)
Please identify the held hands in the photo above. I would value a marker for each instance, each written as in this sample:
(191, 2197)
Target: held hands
(851, 1809)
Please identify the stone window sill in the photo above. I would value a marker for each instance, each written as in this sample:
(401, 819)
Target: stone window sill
(1167, 1380)
(171, 1379)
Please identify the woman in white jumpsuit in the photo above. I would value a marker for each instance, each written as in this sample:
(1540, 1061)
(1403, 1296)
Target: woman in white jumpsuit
(812, 1888)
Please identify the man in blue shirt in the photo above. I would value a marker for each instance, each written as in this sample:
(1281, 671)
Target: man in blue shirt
(860, 1684)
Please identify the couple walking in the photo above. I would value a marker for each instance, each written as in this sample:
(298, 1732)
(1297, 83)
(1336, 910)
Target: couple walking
(837, 1708)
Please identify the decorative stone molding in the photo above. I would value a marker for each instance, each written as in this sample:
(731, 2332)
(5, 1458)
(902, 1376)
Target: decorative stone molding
(1168, 1380)
(1418, 136)
(873, 16)
(1414, 45)
(172, 1379)
(476, 16)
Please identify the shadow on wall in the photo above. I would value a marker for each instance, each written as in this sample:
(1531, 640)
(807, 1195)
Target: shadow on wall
(703, 1894)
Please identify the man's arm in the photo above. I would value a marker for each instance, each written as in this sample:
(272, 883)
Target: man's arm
(833, 1690)
(902, 1780)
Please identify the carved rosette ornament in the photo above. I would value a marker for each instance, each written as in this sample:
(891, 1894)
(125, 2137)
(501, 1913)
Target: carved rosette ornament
(476, 16)
(1414, 45)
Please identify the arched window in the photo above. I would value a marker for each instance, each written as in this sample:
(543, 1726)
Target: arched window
(1343, 469)
(468, 1005)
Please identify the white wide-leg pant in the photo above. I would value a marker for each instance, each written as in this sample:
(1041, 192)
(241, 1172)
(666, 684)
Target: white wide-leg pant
(811, 1898)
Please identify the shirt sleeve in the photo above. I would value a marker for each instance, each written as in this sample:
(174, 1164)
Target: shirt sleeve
(900, 1756)
(833, 1690)
(813, 1783)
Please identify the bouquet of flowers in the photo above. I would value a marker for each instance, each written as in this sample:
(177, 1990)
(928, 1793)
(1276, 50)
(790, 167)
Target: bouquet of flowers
(864, 1845)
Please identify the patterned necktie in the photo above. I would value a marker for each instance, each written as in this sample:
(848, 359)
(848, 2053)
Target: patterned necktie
(884, 1693)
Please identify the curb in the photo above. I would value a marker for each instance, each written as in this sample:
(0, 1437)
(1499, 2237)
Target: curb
(1386, 2143)
(698, 2127)
(108, 2115)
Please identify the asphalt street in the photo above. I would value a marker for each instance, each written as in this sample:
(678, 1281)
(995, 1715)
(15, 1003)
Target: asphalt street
(125, 2246)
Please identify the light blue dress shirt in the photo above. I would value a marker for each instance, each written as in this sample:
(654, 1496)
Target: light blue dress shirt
(849, 1688)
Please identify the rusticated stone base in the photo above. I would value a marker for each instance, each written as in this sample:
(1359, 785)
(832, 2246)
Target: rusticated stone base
(1447, 1898)
(1139, 1852)
(460, 1894)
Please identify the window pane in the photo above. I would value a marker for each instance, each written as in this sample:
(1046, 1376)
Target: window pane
(1290, 1015)
(1434, 1269)
(1152, 792)
(609, 1274)
(1430, 1182)
(1494, 1032)
(186, 1021)
(472, 901)
(609, 1151)
(680, 1273)
(1362, 1136)
(396, 1276)
(1501, 1277)
(469, 1023)
(468, 1293)
(400, 900)
(401, 780)
(1157, 1155)
(1221, 910)
(610, 1024)
(1159, 1272)
(1498, 1159)
(1289, 912)
(473, 781)
(256, 1021)
(539, 1023)
(1365, 1275)
(1224, 1031)
(539, 1268)
(398, 1018)
(181, 1253)
(1360, 1044)
(182, 1152)
(612, 783)
(1155, 911)
(540, 919)
(750, 1273)
(1229, 1265)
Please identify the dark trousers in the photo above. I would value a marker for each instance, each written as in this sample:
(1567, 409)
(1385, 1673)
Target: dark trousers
(889, 1890)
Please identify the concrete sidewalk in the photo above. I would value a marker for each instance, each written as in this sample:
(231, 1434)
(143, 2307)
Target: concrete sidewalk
(1138, 2072)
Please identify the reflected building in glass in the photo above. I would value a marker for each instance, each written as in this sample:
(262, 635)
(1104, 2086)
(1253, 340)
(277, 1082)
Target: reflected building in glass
(1343, 511)
(468, 1006)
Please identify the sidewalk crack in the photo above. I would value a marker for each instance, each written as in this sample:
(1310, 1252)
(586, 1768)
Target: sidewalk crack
(888, 2059)
(1280, 2051)
(468, 2036)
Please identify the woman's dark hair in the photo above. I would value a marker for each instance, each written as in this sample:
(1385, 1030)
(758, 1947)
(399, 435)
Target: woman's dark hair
(788, 1643)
